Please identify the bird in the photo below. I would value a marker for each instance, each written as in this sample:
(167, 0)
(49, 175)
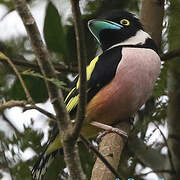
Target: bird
(119, 80)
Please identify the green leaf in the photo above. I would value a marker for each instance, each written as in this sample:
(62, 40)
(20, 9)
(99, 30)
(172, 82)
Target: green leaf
(54, 32)
(71, 44)
(35, 85)
(59, 84)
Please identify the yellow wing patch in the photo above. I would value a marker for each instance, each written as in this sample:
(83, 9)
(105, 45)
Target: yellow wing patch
(72, 103)
(75, 99)
(69, 94)
(89, 70)
(90, 67)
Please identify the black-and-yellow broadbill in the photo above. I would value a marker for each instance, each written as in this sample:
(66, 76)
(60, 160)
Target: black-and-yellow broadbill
(119, 81)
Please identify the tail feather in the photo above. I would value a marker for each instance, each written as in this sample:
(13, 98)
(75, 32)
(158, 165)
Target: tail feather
(42, 164)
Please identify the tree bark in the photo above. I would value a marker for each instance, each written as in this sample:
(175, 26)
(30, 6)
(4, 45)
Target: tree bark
(174, 89)
(45, 63)
(111, 148)
(152, 13)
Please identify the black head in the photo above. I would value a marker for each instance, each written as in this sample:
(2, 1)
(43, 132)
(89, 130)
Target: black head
(117, 28)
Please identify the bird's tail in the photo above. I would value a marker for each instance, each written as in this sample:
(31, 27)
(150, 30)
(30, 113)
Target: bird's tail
(42, 164)
(53, 147)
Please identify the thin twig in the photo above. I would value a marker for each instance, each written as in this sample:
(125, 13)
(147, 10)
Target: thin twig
(100, 156)
(46, 113)
(166, 143)
(170, 55)
(82, 59)
(23, 104)
(12, 103)
(28, 96)
(34, 66)
(158, 171)
(6, 13)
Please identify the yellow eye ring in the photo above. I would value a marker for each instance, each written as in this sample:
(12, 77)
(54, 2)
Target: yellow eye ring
(125, 22)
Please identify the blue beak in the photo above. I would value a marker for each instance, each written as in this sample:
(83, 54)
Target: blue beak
(96, 26)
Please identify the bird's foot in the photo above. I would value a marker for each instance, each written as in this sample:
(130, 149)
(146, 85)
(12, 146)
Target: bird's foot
(108, 129)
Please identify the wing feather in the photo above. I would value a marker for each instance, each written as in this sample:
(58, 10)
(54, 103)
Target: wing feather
(99, 72)
(72, 98)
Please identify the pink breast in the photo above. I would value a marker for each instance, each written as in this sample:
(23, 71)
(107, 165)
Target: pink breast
(135, 77)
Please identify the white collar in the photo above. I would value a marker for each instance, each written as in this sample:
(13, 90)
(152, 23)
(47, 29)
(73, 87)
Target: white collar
(139, 38)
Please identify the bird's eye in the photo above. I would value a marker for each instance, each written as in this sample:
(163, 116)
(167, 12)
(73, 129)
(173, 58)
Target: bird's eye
(125, 22)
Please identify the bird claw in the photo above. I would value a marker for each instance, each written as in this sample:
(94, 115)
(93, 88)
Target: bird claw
(108, 129)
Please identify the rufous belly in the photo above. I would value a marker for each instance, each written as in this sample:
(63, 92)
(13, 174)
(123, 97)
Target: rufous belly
(128, 91)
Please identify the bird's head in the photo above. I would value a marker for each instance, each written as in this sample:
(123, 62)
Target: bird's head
(118, 28)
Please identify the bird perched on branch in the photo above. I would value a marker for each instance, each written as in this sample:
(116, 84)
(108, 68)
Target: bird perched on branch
(119, 81)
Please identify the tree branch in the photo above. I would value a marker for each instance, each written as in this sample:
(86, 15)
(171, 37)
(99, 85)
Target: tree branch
(155, 11)
(22, 104)
(170, 55)
(111, 148)
(100, 156)
(76, 171)
(166, 143)
(46, 113)
(28, 96)
(45, 63)
(58, 67)
(159, 171)
(11, 104)
(82, 59)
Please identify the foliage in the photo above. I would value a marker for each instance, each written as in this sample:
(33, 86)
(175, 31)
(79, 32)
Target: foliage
(59, 84)
(13, 146)
(55, 36)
